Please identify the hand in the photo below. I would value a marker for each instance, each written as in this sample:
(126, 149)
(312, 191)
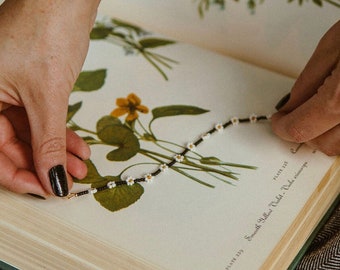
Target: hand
(18, 172)
(43, 44)
(312, 113)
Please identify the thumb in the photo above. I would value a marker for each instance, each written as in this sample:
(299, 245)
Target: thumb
(47, 118)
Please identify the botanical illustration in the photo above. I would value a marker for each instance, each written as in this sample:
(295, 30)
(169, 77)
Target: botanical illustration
(135, 41)
(204, 5)
(125, 135)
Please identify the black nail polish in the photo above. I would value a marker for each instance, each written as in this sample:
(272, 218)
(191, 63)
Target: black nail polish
(282, 102)
(58, 180)
(36, 196)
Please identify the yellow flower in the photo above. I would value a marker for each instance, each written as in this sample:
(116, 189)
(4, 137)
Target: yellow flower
(129, 106)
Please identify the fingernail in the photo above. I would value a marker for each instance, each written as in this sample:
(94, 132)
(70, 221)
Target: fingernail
(36, 196)
(282, 102)
(58, 181)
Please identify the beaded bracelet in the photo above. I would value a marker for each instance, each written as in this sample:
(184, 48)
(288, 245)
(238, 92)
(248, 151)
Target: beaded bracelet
(191, 146)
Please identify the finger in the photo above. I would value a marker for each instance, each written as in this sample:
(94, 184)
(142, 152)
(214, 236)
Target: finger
(320, 65)
(328, 142)
(76, 145)
(19, 152)
(76, 167)
(18, 180)
(46, 112)
(18, 117)
(314, 117)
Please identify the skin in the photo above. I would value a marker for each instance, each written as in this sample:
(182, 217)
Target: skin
(312, 114)
(43, 45)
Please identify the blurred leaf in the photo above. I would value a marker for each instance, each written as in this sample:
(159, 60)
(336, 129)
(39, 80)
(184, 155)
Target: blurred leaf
(174, 110)
(100, 32)
(90, 140)
(154, 42)
(72, 110)
(318, 2)
(119, 197)
(90, 80)
(127, 25)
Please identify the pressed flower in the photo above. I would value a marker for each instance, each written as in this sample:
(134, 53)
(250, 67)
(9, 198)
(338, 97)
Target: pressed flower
(130, 105)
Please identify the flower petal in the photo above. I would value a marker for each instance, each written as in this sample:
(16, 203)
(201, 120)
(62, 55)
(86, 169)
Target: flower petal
(119, 112)
(132, 116)
(142, 108)
(134, 99)
(122, 102)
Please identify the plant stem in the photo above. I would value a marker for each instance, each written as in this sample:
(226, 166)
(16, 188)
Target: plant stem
(331, 2)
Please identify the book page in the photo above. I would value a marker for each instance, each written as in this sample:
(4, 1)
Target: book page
(228, 202)
(276, 35)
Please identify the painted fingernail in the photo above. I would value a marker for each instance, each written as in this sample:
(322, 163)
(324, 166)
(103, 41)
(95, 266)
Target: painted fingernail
(58, 181)
(282, 102)
(36, 196)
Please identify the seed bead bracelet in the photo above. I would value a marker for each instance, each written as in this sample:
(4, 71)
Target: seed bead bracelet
(191, 146)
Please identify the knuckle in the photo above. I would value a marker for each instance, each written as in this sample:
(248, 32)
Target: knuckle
(333, 102)
(296, 134)
(52, 146)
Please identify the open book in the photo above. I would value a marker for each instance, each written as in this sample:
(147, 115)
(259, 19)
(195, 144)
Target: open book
(185, 171)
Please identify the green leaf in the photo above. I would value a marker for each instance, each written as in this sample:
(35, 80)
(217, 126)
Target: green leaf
(127, 25)
(92, 174)
(318, 2)
(217, 161)
(72, 110)
(174, 110)
(100, 32)
(154, 42)
(90, 140)
(90, 80)
(123, 138)
(119, 197)
(106, 121)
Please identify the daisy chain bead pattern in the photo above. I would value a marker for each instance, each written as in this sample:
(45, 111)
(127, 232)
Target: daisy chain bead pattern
(191, 146)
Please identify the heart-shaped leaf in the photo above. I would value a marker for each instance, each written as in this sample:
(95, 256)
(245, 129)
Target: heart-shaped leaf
(111, 131)
(119, 197)
(106, 121)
